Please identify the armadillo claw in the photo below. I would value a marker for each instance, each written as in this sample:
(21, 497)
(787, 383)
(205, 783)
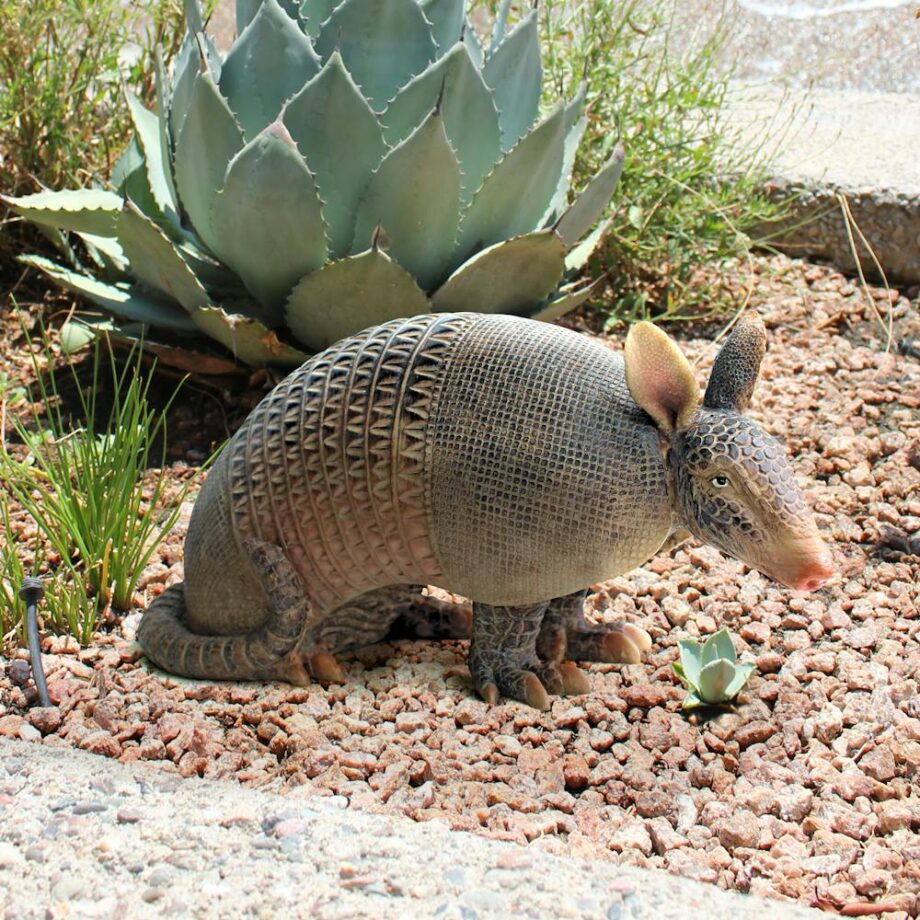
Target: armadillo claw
(534, 693)
(574, 681)
(291, 669)
(638, 636)
(489, 692)
(618, 647)
(325, 668)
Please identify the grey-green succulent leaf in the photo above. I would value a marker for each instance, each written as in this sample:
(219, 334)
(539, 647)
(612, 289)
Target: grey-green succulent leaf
(247, 339)
(108, 256)
(342, 142)
(578, 257)
(500, 26)
(122, 300)
(267, 65)
(567, 299)
(346, 296)
(515, 195)
(86, 210)
(210, 139)
(470, 116)
(514, 73)
(719, 645)
(147, 126)
(163, 96)
(383, 43)
(156, 261)
(512, 276)
(267, 219)
(446, 18)
(691, 660)
(714, 678)
(743, 671)
(415, 196)
(247, 9)
(587, 208)
(576, 120)
(469, 39)
(185, 70)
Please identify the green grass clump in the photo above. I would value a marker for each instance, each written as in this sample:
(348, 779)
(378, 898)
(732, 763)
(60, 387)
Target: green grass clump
(63, 119)
(95, 486)
(691, 193)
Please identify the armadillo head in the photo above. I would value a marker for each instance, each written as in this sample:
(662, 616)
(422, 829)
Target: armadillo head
(732, 485)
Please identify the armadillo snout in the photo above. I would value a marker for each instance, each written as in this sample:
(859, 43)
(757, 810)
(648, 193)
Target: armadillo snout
(811, 574)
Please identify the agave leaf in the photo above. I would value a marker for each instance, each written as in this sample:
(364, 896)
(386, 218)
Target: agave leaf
(719, 645)
(514, 73)
(346, 296)
(415, 196)
(267, 64)
(714, 678)
(576, 120)
(313, 13)
(267, 219)
(121, 300)
(106, 252)
(155, 260)
(510, 277)
(147, 126)
(210, 139)
(471, 41)
(515, 195)
(185, 70)
(446, 18)
(86, 210)
(568, 298)
(593, 200)
(691, 660)
(578, 257)
(383, 43)
(500, 26)
(470, 116)
(342, 142)
(75, 335)
(162, 88)
(247, 9)
(246, 338)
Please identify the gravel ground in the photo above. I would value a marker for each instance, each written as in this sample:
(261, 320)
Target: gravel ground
(809, 790)
(82, 837)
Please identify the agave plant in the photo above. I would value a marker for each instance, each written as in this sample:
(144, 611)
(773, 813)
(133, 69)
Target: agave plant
(710, 670)
(343, 164)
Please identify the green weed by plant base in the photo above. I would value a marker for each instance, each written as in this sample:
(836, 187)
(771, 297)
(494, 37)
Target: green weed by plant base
(91, 489)
(62, 114)
(690, 193)
(66, 607)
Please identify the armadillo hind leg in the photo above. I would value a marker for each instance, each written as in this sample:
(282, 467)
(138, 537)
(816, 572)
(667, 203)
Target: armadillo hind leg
(427, 617)
(268, 653)
(566, 634)
(392, 612)
(503, 655)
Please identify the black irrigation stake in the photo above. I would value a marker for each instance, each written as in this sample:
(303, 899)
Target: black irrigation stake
(32, 592)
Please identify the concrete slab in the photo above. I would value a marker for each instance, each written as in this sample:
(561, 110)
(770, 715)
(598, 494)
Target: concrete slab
(84, 836)
(858, 145)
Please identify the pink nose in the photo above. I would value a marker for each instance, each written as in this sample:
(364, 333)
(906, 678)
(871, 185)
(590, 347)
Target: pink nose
(816, 572)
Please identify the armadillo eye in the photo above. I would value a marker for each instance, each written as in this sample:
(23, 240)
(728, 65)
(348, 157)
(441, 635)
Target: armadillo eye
(720, 482)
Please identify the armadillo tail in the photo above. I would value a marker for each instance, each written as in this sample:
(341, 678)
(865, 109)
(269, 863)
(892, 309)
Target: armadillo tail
(264, 654)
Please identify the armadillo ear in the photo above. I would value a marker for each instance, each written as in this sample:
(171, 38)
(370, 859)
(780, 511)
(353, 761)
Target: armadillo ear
(660, 378)
(737, 365)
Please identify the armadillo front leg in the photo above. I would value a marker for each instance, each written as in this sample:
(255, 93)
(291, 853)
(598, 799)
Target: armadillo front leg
(503, 655)
(566, 634)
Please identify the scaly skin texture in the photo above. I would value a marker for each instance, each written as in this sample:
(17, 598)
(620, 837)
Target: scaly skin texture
(505, 460)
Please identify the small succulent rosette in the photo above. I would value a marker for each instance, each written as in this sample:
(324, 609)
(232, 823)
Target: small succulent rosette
(710, 670)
